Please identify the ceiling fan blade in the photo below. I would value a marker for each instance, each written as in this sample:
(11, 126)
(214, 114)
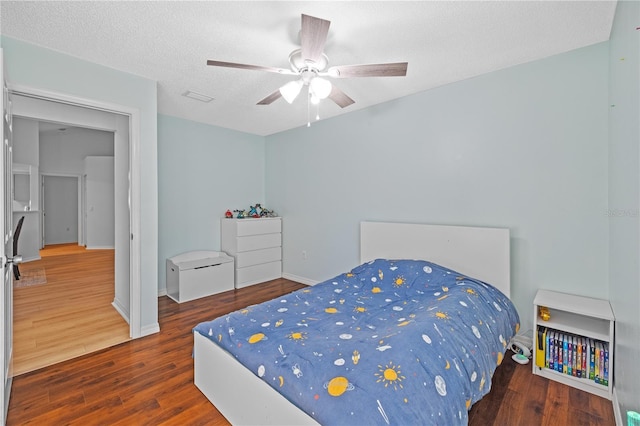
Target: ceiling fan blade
(269, 99)
(340, 98)
(249, 67)
(397, 69)
(313, 35)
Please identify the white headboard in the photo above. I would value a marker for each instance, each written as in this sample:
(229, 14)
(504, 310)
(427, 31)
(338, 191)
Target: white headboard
(481, 253)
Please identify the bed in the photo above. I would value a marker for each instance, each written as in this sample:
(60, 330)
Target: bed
(411, 335)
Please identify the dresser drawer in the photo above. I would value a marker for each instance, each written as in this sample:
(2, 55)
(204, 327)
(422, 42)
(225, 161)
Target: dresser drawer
(258, 274)
(258, 226)
(256, 257)
(256, 245)
(257, 242)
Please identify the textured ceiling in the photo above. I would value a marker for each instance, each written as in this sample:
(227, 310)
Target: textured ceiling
(171, 41)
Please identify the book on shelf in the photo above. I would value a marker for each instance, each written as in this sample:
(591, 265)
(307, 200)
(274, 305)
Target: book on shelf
(592, 360)
(574, 360)
(542, 356)
(597, 362)
(605, 369)
(573, 355)
(585, 356)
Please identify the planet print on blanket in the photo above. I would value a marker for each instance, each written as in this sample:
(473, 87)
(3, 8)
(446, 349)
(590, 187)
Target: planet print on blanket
(338, 385)
(390, 342)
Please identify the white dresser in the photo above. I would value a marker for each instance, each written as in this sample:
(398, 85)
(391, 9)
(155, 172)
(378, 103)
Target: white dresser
(256, 245)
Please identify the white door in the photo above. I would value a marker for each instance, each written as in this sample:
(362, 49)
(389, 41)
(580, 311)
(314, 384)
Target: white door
(6, 248)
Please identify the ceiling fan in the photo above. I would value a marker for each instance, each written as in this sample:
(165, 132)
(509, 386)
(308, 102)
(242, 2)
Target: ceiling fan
(309, 63)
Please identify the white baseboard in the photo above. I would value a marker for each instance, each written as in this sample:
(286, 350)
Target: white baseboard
(616, 409)
(162, 292)
(298, 279)
(7, 396)
(121, 310)
(30, 259)
(101, 247)
(149, 329)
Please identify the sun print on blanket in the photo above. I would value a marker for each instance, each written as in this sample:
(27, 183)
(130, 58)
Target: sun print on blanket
(399, 281)
(363, 316)
(297, 336)
(390, 375)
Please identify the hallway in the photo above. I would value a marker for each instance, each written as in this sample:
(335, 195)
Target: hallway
(62, 307)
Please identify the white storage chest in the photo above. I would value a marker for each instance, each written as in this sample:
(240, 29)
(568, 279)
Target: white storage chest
(256, 245)
(198, 274)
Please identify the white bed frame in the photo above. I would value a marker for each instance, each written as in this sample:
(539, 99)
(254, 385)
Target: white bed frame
(244, 399)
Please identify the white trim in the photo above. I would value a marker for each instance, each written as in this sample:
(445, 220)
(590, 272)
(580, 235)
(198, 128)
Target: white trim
(298, 279)
(617, 414)
(64, 98)
(149, 329)
(135, 285)
(100, 247)
(162, 292)
(30, 259)
(6, 339)
(121, 310)
(135, 329)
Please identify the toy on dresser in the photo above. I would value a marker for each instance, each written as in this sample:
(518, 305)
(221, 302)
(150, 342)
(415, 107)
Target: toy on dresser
(256, 211)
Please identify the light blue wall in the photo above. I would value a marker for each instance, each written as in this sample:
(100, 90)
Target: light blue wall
(523, 148)
(36, 67)
(624, 201)
(205, 170)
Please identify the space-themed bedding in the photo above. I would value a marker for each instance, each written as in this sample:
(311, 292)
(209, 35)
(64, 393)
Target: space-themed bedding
(391, 342)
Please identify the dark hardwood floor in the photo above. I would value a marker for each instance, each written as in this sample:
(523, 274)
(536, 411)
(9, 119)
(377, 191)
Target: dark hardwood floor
(150, 380)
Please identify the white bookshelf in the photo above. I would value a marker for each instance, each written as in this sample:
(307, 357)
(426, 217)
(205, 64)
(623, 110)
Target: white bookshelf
(581, 316)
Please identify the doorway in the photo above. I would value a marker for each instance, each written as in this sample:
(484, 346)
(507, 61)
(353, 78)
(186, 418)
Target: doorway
(65, 288)
(60, 206)
(124, 123)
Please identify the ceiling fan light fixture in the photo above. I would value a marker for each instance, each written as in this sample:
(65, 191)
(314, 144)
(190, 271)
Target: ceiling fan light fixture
(320, 87)
(291, 90)
(310, 64)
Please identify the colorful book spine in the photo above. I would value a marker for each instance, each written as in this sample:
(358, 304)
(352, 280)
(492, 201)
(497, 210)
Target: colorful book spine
(574, 355)
(605, 373)
(579, 357)
(541, 347)
(597, 362)
(585, 357)
(592, 360)
(557, 355)
(553, 354)
(548, 348)
(570, 356)
(565, 354)
(601, 362)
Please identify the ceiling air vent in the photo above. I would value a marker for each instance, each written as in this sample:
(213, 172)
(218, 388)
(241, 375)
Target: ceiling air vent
(197, 96)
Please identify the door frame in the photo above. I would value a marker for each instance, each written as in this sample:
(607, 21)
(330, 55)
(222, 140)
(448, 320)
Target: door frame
(80, 207)
(6, 218)
(135, 290)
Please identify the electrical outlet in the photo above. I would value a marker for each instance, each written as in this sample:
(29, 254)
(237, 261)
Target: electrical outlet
(304, 255)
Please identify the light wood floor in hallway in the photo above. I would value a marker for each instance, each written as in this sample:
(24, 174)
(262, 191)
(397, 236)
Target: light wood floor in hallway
(71, 313)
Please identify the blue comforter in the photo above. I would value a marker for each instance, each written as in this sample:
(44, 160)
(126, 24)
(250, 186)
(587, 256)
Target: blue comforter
(391, 342)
